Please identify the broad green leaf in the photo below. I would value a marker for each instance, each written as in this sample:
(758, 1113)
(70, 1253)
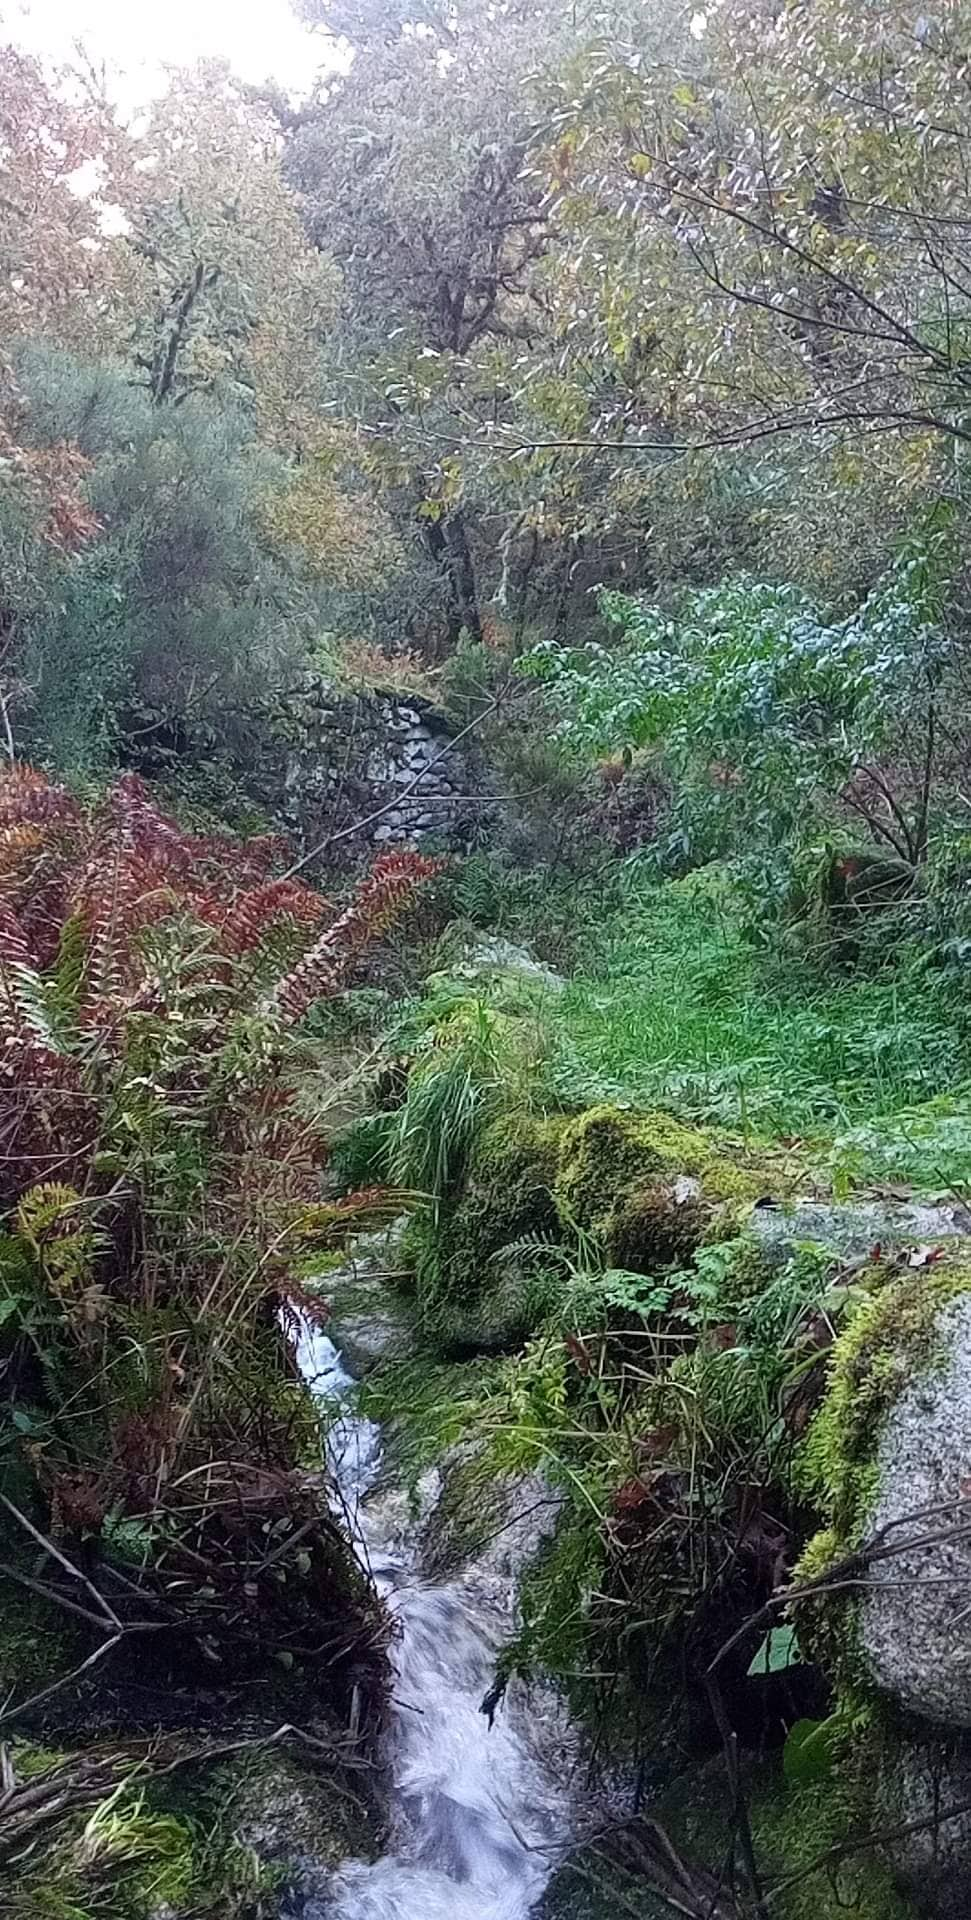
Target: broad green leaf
(810, 1751)
(778, 1652)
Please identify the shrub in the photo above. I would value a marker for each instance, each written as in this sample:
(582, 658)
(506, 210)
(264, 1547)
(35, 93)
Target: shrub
(770, 716)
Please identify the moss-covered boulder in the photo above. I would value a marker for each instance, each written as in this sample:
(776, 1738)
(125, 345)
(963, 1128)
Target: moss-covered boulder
(472, 1281)
(914, 1622)
(649, 1188)
(895, 1341)
(288, 1810)
(629, 1189)
(889, 1460)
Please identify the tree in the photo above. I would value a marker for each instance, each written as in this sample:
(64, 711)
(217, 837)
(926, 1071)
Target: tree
(784, 226)
(235, 299)
(64, 162)
(181, 613)
(414, 171)
(465, 362)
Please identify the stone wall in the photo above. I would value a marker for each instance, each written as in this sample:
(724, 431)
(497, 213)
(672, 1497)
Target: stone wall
(354, 756)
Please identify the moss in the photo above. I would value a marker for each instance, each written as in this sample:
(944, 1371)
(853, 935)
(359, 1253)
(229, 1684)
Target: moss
(827, 1634)
(793, 1826)
(649, 1188)
(635, 1190)
(890, 1340)
(506, 1197)
(217, 1841)
(284, 1810)
(145, 1848)
(38, 1639)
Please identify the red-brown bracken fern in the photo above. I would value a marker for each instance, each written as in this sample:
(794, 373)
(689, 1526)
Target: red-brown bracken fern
(379, 901)
(80, 890)
(160, 1176)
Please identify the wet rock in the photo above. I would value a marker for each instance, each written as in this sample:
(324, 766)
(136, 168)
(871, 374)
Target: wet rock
(371, 1319)
(299, 1819)
(915, 1622)
(370, 1323)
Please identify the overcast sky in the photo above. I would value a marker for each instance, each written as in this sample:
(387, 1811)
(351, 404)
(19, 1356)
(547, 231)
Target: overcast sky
(259, 38)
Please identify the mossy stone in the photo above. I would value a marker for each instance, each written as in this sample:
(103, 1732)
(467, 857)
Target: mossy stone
(890, 1339)
(292, 1812)
(506, 1195)
(891, 1342)
(650, 1188)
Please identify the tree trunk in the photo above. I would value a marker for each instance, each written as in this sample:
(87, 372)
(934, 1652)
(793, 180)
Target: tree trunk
(448, 543)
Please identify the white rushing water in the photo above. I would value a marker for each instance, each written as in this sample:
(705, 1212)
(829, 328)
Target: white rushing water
(480, 1814)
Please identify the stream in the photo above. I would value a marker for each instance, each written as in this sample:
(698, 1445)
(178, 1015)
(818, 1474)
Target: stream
(480, 1815)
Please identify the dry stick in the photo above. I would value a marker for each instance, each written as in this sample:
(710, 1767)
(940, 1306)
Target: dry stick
(389, 806)
(740, 1816)
(14, 1713)
(49, 1547)
(51, 1593)
(844, 1572)
(672, 1881)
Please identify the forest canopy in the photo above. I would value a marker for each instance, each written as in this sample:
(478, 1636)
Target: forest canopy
(513, 304)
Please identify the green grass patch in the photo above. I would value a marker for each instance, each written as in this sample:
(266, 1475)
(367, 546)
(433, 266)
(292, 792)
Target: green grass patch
(676, 1003)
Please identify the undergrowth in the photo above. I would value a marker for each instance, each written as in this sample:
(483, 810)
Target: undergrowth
(676, 1003)
(163, 1146)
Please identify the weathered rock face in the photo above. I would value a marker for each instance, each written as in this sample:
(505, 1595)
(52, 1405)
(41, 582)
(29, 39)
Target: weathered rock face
(916, 1619)
(852, 1227)
(354, 755)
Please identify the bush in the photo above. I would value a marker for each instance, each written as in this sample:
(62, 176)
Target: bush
(170, 620)
(770, 718)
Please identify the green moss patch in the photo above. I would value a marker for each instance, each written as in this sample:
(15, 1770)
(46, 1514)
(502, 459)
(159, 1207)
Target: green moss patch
(651, 1189)
(505, 1198)
(608, 1188)
(890, 1340)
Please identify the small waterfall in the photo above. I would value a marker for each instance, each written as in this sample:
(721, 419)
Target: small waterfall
(481, 1816)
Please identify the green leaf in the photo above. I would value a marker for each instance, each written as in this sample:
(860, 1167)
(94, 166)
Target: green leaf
(8, 1307)
(778, 1652)
(810, 1751)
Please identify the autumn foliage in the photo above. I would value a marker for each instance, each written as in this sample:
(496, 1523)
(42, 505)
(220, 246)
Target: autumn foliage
(160, 1164)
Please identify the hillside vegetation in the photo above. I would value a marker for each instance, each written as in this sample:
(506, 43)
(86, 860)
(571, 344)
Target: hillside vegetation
(591, 384)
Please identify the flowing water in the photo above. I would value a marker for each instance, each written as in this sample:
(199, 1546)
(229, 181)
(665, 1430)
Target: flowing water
(480, 1815)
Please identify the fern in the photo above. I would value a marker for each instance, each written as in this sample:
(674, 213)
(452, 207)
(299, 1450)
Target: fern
(380, 900)
(243, 922)
(24, 1021)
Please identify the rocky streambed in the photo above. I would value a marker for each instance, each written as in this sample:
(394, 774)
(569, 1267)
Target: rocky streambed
(482, 1808)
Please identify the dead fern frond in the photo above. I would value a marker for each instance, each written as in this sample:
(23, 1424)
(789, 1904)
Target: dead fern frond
(380, 899)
